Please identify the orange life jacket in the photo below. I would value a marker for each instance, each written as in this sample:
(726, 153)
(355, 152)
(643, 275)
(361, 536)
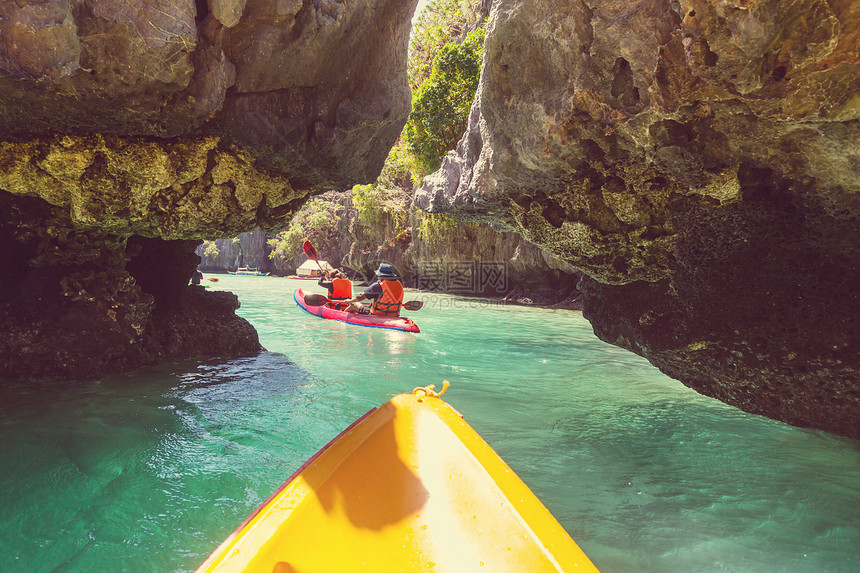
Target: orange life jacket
(341, 290)
(389, 303)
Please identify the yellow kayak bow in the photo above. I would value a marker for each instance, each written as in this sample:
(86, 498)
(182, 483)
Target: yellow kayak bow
(409, 486)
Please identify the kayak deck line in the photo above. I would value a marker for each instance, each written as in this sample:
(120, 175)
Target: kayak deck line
(409, 486)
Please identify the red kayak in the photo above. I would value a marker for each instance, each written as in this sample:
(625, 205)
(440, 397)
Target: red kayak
(390, 322)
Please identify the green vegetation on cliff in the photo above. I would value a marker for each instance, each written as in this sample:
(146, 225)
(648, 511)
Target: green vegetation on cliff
(387, 197)
(441, 22)
(441, 103)
(444, 68)
(210, 249)
(434, 228)
(316, 221)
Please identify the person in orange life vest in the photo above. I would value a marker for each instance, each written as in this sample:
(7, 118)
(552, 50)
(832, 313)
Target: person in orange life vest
(386, 294)
(339, 289)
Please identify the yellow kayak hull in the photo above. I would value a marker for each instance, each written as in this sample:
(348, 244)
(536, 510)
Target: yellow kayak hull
(410, 486)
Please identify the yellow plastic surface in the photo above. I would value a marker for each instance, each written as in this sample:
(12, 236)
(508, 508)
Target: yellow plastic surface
(411, 487)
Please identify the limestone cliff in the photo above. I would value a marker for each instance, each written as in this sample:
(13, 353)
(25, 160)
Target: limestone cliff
(469, 259)
(133, 130)
(473, 259)
(244, 250)
(698, 159)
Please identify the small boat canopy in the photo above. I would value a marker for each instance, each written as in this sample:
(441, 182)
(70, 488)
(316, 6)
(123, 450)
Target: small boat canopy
(307, 268)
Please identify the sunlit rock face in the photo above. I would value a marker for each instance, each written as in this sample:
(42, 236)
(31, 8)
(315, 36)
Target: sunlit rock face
(700, 161)
(130, 130)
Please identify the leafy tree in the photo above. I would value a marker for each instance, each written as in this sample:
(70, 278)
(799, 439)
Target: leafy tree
(441, 22)
(210, 250)
(316, 221)
(440, 106)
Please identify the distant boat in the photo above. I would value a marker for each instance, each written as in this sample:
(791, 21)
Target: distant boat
(254, 271)
(311, 270)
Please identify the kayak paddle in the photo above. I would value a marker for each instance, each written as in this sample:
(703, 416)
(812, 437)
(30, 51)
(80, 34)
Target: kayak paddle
(213, 280)
(311, 252)
(319, 300)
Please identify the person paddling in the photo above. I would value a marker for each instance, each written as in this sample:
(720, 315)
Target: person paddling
(339, 289)
(386, 294)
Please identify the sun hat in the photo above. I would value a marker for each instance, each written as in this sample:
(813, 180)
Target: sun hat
(385, 270)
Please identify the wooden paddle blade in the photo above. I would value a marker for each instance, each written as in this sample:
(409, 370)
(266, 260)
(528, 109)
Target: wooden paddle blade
(309, 250)
(315, 299)
(413, 304)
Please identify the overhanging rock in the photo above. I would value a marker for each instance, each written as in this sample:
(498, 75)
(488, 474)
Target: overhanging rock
(699, 161)
(133, 130)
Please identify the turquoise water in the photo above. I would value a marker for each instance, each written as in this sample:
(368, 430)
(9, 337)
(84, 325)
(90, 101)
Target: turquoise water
(150, 471)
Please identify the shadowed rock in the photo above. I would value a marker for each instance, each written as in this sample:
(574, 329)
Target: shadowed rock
(133, 130)
(698, 160)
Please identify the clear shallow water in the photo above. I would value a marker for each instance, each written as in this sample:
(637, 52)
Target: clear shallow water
(150, 471)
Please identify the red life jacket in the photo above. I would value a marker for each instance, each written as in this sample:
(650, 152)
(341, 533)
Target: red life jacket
(341, 290)
(389, 303)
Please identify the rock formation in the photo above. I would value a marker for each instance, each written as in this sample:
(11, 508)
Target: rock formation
(698, 160)
(469, 259)
(249, 249)
(133, 130)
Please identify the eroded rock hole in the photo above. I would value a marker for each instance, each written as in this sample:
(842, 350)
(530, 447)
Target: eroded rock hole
(202, 9)
(670, 132)
(779, 73)
(622, 83)
(161, 268)
(758, 183)
(708, 57)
